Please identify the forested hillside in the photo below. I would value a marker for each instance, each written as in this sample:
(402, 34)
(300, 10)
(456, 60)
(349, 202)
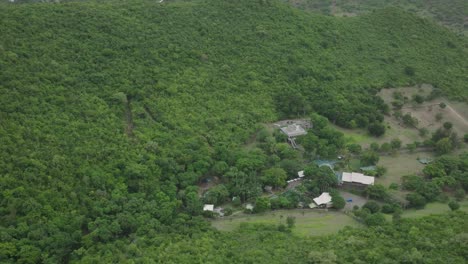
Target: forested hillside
(450, 13)
(112, 112)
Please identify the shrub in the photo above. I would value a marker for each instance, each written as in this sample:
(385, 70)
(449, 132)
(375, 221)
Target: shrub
(338, 201)
(372, 206)
(369, 158)
(416, 200)
(377, 219)
(376, 129)
(388, 209)
(454, 205)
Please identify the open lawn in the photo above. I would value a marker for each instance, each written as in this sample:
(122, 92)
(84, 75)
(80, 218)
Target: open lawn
(400, 165)
(433, 208)
(308, 222)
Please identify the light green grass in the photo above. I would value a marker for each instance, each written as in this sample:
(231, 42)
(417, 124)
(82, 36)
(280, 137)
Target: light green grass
(400, 165)
(308, 222)
(433, 208)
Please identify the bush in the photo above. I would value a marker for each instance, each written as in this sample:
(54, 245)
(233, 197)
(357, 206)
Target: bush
(388, 209)
(354, 148)
(460, 194)
(423, 132)
(411, 182)
(416, 200)
(375, 146)
(228, 211)
(448, 125)
(393, 186)
(369, 158)
(338, 201)
(372, 206)
(418, 98)
(291, 221)
(262, 204)
(377, 219)
(454, 205)
(377, 191)
(376, 129)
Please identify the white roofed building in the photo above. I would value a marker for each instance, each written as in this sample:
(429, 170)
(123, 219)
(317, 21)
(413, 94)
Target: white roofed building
(208, 207)
(323, 200)
(300, 174)
(356, 178)
(293, 130)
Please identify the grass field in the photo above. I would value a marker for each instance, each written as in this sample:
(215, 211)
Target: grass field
(308, 222)
(432, 208)
(400, 165)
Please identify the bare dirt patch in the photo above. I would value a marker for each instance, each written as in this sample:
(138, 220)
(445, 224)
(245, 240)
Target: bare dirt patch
(426, 113)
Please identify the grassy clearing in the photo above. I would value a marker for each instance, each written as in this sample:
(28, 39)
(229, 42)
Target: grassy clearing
(308, 222)
(455, 112)
(433, 208)
(400, 165)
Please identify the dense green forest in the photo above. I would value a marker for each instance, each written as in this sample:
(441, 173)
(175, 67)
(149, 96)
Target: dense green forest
(112, 112)
(451, 13)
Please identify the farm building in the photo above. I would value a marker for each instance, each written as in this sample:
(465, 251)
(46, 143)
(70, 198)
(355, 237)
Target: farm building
(208, 207)
(356, 179)
(324, 200)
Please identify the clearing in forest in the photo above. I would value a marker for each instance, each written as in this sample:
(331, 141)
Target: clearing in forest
(429, 115)
(308, 222)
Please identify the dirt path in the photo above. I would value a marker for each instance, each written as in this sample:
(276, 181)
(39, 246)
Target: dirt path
(462, 119)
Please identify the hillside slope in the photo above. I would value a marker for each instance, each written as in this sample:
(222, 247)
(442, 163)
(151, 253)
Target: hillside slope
(111, 112)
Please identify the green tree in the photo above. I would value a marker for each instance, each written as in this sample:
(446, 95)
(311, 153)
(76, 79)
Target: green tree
(395, 143)
(372, 206)
(416, 200)
(262, 204)
(443, 146)
(275, 177)
(369, 158)
(448, 125)
(376, 129)
(290, 221)
(376, 219)
(454, 205)
(377, 191)
(325, 178)
(338, 201)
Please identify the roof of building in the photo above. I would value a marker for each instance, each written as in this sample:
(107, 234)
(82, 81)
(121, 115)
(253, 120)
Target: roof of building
(208, 207)
(425, 160)
(324, 198)
(300, 174)
(357, 178)
(293, 130)
(368, 168)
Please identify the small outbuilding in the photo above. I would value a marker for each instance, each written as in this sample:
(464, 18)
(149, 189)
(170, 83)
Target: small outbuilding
(249, 206)
(324, 200)
(300, 174)
(208, 207)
